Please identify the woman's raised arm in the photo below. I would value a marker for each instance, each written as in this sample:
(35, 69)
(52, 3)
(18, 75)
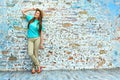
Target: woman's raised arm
(26, 10)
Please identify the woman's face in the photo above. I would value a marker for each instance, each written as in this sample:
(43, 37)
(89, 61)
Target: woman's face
(37, 14)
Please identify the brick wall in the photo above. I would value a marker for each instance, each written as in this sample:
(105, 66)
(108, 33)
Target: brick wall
(79, 34)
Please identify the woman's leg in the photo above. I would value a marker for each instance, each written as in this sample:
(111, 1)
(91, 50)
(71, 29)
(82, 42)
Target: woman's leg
(33, 65)
(30, 52)
(36, 47)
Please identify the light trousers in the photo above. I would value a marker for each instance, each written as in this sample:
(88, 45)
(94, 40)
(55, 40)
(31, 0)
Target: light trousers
(33, 47)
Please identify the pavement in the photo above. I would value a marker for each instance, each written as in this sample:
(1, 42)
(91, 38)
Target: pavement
(101, 74)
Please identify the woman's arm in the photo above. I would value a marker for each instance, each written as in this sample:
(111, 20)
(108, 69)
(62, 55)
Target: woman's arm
(41, 40)
(26, 10)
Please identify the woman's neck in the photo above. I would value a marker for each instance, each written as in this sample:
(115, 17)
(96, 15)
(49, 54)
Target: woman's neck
(36, 18)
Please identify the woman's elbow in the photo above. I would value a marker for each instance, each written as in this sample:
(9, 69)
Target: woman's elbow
(23, 12)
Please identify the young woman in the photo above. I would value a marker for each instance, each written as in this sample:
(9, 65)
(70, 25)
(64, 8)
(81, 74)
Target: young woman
(35, 36)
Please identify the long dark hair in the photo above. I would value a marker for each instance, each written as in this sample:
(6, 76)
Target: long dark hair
(39, 19)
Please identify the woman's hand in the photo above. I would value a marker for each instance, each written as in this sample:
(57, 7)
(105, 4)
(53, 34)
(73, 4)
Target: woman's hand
(34, 8)
(41, 47)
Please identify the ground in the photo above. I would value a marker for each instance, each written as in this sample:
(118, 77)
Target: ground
(101, 74)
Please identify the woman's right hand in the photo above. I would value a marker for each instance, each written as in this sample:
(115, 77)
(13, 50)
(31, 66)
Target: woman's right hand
(34, 8)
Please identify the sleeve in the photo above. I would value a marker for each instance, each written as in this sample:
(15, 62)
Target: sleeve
(28, 17)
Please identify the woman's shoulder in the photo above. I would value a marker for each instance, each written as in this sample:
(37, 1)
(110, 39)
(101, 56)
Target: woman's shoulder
(29, 17)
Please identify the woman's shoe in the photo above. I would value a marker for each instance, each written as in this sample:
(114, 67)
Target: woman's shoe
(33, 71)
(39, 69)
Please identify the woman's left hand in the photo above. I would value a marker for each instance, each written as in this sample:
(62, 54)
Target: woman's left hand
(41, 47)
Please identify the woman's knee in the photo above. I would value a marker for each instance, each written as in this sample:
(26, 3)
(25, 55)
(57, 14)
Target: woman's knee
(30, 53)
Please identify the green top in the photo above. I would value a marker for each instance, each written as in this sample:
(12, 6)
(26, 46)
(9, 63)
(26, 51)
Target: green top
(33, 31)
